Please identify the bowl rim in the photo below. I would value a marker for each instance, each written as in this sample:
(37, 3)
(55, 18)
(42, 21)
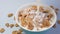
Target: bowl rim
(34, 4)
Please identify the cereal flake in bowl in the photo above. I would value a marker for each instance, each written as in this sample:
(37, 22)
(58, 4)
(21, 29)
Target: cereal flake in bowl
(35, 17)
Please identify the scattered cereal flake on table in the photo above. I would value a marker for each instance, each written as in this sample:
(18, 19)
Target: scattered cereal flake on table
(7, 24)
(16, 25)
(14, 32)
(58, 21)
(19, 31)
(10, 14)
(56, 10)
(11, 25)
(54, 26)
(2, 30)
(52, 6)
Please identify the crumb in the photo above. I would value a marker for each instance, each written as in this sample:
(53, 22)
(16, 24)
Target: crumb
(58, 21)
(52, 7)
(10, 14)
(16, 25)
(11, 25)
(54, 26)
(2, 30)
(14, 32)
(30, 26)
(7, 24)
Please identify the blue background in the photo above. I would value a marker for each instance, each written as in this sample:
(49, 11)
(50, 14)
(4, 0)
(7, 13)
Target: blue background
(10, 6)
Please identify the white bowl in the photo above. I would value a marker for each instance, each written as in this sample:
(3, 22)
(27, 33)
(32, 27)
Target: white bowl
(23, 6)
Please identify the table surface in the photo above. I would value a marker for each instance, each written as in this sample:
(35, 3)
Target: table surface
(10, 6)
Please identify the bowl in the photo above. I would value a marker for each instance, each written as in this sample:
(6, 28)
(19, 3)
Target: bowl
(38, 4)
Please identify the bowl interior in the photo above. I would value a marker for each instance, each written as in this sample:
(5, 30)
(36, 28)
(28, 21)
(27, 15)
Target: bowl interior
(27, 5)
